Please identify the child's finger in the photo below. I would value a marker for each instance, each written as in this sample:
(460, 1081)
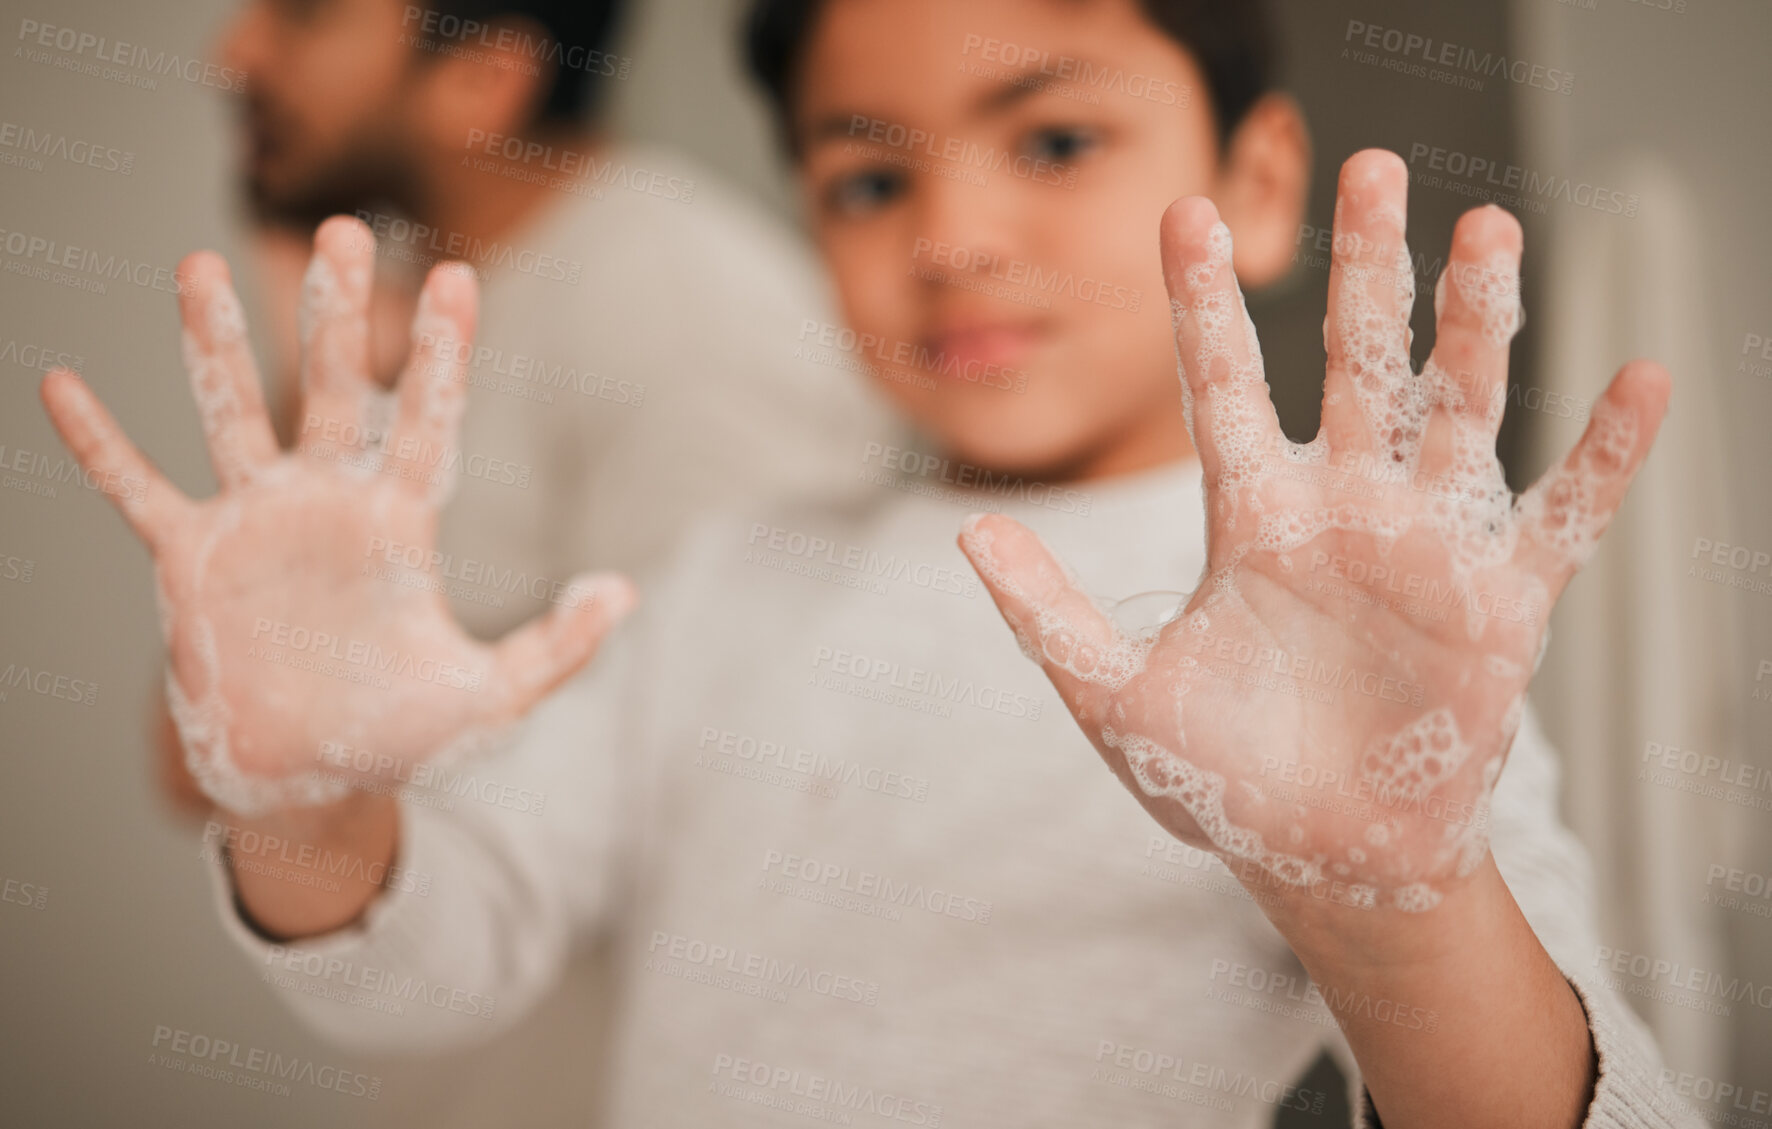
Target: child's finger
(541, 654)
(1056, 623)
(1230, 413)
(224, 376)
(1476, 313)
(1373, 405)
(335, 338)
(434, 387)
(154, 507)
(1566, 510)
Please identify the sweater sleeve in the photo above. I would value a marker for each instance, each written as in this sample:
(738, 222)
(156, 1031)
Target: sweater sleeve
(1548, 871)
(502, 859)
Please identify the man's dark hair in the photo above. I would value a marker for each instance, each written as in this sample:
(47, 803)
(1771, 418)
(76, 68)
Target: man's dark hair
(577, 35)
(1233, 42)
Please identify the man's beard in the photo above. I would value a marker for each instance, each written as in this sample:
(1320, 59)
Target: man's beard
(356, 184)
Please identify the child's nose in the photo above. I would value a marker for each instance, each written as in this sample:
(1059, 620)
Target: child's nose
(963, 228)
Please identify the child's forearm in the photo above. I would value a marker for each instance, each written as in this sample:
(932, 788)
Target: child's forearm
(1509, 1042)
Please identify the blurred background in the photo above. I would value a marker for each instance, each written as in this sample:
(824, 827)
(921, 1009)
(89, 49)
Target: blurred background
(107, 931)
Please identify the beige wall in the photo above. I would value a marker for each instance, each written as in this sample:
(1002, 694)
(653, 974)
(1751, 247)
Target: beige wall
(1672, 106)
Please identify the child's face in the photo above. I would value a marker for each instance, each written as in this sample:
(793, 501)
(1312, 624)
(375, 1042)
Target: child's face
(995, 242)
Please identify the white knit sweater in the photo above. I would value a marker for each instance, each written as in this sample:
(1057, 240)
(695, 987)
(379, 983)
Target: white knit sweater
(859, 864)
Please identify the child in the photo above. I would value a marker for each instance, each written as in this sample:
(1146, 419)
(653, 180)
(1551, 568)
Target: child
(853, 863)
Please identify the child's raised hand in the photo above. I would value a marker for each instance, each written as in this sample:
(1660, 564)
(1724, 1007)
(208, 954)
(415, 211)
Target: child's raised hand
(1331, 707)
(295, 605)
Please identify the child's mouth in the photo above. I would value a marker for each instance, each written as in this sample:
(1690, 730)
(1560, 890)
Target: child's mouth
(1003, 344)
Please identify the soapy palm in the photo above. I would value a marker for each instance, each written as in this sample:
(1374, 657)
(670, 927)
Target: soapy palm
(1331, 707)
(304, 638)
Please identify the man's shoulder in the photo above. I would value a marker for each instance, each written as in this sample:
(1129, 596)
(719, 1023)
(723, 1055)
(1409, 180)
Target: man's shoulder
(657, 207)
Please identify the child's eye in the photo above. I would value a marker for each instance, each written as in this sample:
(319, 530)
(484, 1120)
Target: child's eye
(1060, 144)
(857, 194)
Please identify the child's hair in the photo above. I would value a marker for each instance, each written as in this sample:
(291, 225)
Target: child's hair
(1232, 41)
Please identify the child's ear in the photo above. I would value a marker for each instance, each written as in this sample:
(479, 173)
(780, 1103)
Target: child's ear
(1262, 188)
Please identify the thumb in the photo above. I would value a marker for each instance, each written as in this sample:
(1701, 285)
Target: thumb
(1058, 626)
(535, 658)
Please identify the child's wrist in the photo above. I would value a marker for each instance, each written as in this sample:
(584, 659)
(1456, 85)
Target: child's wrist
(1325, 925)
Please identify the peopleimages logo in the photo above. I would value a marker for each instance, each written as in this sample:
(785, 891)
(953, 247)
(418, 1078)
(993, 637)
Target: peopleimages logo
(38, 357)
(860, 560)
(725, 966)
(403, 986)
(534, 162)
(1755, 345)
(500, 35)
(863, 350)
(47, 683)
(528, 377)
(915, 687)
(868, 884)
(741, 747)
(1658, 971)
(1532, 185)
(970, 267)
(421, 243)
(812, 1094)
(1334, 1001)
(83, 51)
(509, 579)
(1162, 1073)
(426, 776)
(24, 894)
(1306, 669)
(920, 143)
(1414, 54)
(31, 144)
(365, 655)
(237, 845)
(51, 260)
(253, 1067)
(1724, 1094)
(927, 469)
(32, 473)
(1035, 67)
(1422, 589)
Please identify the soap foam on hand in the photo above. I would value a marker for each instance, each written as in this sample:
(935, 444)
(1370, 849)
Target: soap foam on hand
(280, 642)
(1268, 655)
